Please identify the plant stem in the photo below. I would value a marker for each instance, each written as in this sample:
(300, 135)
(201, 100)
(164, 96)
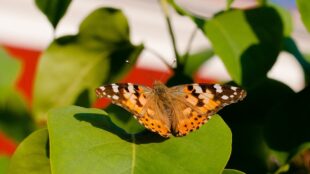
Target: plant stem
(159, 56)
(164, 6)
(261, 2)
(189, 45)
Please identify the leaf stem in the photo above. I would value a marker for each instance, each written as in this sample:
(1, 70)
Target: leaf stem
(159, 56)
(189, 45)
(164, 6)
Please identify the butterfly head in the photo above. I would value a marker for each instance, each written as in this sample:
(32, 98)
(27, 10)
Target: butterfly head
(159, 88)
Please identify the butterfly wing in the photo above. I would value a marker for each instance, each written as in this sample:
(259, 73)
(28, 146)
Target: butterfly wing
(140, 101)
(195, 103)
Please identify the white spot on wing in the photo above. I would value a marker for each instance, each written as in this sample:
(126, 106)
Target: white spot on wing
(218, 88)
(131, 88)
(102, 88)
(115, 97)
(108, 96)
(233, 88)
(197, 88)
(224, 97)
(115, 88)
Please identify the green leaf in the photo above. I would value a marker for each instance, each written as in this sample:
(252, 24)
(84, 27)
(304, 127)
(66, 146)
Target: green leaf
(4, 163)
(304, 10)
(93, 140)
(232, 171)
(32, 155)
(228, 4)
(249, 50)
(195, 61)
(9, 70)
(54, 10)
(124, 119)
(73, 66)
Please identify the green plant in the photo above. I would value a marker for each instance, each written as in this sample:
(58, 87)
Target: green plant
(263, 134)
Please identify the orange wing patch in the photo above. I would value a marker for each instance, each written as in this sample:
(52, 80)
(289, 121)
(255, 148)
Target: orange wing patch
(154, 125)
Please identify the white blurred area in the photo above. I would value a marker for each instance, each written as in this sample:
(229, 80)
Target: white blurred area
(23, 25)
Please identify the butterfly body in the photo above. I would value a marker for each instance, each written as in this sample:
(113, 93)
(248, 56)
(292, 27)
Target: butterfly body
(177, 110)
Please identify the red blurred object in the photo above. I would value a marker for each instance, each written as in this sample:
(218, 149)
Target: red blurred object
(29, 59)
(7, 146)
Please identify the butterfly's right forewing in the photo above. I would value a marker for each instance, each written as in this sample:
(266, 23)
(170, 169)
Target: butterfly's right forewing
(196, 103)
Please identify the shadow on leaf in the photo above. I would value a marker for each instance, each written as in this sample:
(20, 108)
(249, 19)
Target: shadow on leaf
(105, 123)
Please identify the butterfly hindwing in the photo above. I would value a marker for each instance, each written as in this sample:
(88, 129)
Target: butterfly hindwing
(187, 118)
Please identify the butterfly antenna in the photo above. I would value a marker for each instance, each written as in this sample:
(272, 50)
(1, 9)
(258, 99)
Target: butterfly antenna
(164, 72)
(169, 65)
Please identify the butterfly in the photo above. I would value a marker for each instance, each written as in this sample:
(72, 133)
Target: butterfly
(175, 110)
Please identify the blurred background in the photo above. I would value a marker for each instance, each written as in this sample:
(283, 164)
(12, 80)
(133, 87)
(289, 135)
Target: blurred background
(25, 33)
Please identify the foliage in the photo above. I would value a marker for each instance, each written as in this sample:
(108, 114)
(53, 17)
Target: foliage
(265, 133)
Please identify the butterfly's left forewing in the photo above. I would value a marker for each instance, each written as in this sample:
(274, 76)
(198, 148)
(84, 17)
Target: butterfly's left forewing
(129, 96)
(139, 100)
(197, 102)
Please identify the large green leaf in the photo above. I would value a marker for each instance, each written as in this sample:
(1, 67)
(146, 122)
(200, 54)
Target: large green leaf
(87, 141)
(32, 155)
(73, 66)
(54, 10)
(304, 9)
(248, 42)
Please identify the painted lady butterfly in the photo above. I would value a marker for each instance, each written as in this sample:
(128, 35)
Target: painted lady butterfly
(178, 110)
